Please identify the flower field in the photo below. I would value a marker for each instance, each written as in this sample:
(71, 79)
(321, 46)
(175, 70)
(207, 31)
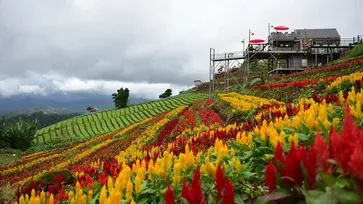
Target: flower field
(307, 151)
(90, 125)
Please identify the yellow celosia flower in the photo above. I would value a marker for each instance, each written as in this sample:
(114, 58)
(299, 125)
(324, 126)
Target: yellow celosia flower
(197, 159)
(90, 194)
(109, 184)
(250, 140)
(236, 164)
(42, 195)
(336, 122)
(51, 199)
(294, 139)
(327, 124)
(177, 171)
(311, 122)
(138, 184)
(210, 168)
(103, 196)
(129, 190)
(114, 197)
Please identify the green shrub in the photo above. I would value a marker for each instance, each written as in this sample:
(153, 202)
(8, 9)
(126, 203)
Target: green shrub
(18, 135)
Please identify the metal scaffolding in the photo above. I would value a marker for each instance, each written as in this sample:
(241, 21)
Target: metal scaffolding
(226, 64)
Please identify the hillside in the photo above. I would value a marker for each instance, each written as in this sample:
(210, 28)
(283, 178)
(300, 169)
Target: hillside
(295, 138)
(45, 110)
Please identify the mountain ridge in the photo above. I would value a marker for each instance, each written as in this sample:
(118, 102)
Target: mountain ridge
(59, 102)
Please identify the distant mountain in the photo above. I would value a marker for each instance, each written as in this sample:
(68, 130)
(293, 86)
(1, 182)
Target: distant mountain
(46, 110)
(58, 102)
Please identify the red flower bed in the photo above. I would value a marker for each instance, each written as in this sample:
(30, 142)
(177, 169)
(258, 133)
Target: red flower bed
(188, 121)
(299, 83)
(209, 117)
(341, 65)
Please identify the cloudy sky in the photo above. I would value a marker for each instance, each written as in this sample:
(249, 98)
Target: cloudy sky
(148, 46)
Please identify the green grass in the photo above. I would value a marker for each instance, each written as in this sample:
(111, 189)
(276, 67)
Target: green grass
(355, 52)
(9, 156)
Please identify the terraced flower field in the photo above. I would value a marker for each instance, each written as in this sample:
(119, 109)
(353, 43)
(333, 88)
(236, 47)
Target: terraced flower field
(90, 125)
(183, 150)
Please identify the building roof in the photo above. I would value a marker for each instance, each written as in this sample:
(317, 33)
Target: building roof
(319, 33)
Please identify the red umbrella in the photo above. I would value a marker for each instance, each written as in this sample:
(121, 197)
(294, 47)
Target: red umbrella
(281, 28)
(257, 40)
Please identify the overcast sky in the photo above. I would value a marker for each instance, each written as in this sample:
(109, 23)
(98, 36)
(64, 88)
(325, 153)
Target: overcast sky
(148, 46)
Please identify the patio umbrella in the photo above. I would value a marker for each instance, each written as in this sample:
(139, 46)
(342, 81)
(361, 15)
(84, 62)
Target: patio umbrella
(281, 28)
(257, 40)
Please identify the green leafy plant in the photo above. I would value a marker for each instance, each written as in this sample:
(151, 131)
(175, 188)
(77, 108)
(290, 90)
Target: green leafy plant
(20, 134)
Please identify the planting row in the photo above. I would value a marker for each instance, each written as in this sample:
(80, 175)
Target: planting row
(90, 125)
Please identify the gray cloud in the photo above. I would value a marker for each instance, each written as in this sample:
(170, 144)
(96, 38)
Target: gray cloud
(144, 41)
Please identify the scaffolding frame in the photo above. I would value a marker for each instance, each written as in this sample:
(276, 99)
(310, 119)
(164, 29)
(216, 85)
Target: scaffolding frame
(223, 63)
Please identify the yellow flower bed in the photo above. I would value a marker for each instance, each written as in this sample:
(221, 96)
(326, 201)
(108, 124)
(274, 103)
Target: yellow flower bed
(133, 150)
(78, 157)
(28, 156)
(342, 79)
(245, 102)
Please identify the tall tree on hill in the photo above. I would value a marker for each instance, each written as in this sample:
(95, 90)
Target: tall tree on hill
(166, 94)
(121, 97)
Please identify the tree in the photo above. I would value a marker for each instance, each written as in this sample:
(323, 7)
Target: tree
(121, 97)
(166, 94)
(89, 108)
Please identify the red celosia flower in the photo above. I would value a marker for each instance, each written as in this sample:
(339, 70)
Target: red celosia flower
(300, 159)
(196, 190)
(59, 178)
(343, 145)
(322, 152)
(289, 166)
(103, 177)
(279, 154)
(219, 180)
(42, 184)
(169, 196)
(270, 176)
(62, 194)
(32, 185)
(56, 188)
(356, 160)
(311, 167)
(186, 190)
(228, 194)
(51, 189)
